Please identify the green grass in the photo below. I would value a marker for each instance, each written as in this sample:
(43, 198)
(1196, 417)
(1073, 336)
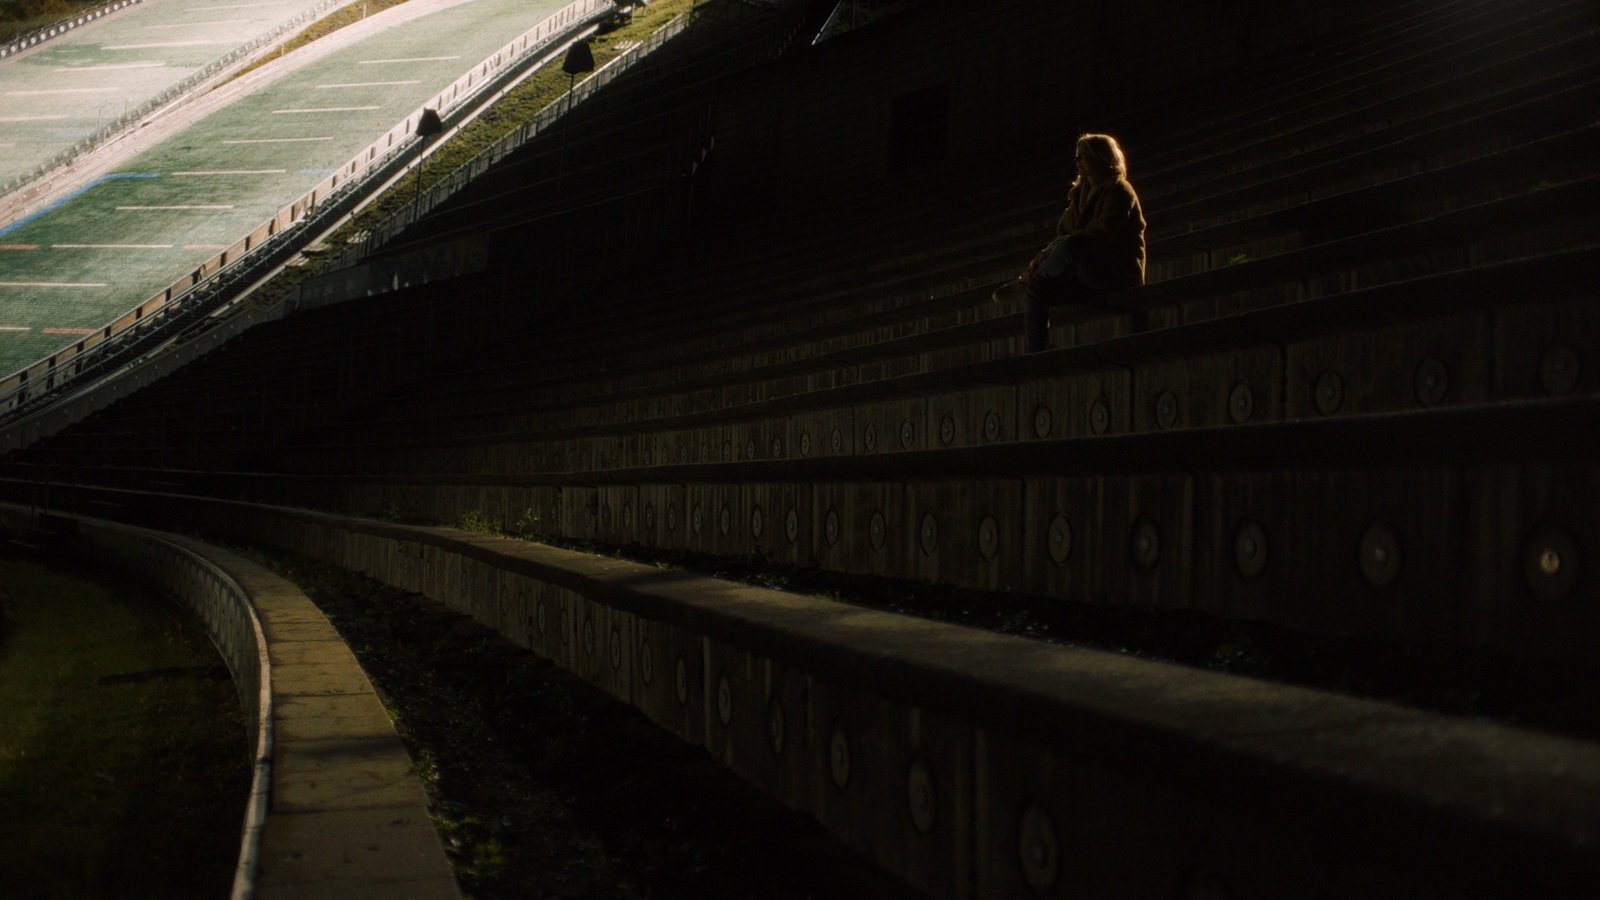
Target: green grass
(520, 105)
(18, 17)
(114, 787)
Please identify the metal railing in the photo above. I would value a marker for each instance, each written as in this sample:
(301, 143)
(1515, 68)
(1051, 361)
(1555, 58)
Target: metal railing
(132, 118)
(55, 29)
(444, 188)
(221, 277)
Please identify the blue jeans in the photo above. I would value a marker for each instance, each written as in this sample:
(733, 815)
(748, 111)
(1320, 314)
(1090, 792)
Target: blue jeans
(1063, 278)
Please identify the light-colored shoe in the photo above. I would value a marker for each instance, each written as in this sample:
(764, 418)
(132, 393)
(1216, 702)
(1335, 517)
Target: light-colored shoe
(1010, 291)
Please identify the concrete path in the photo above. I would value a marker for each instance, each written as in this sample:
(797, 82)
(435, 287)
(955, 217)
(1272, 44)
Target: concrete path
(348, 817)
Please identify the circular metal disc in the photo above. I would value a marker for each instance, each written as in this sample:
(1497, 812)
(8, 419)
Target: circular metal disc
(1059, 539)
(1166, 410)
(775, 725)
(1550, 564)
(1099, 416)
(1250, 549)
(1241, 403)
(1432, 382)
(1146, 545)
(1039, 849)
(920, 796)
(1380, 555)
(1328, 394)
(839, 756)
(988, 537)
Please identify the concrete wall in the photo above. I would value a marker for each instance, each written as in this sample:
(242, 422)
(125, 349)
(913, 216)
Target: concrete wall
(973, 764)
(820, 120)
(336, 807)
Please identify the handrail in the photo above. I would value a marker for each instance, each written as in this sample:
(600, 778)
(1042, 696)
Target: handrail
(447, 186)
(130, 119)
(59, 27)
(202, 290)
(444, 188)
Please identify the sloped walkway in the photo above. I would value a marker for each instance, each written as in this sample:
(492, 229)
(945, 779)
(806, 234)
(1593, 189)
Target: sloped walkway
(347, 815)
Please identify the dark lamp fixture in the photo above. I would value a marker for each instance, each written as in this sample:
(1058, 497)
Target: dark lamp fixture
(579, 59)
(428, 124)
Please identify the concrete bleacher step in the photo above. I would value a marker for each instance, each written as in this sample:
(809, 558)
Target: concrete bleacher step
(1168, 532)
(1224, 279)
(1445, 232)
(1171, 361)
(1548, 37)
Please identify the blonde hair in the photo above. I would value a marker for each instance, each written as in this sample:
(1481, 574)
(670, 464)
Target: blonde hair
(1103, 149)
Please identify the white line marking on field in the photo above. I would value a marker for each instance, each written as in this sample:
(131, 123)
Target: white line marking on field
(284, 112)
(164, 44)
(379, 62)
(364, 84)
(277, 140)
(235, 172)
(29, 118)
(137, 208)
(59, 284)
(98, 90)
(148, 64)
(110, 246)
(15, 328)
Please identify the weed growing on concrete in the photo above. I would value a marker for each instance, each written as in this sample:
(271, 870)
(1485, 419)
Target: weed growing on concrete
(475, 521)
(543, 786)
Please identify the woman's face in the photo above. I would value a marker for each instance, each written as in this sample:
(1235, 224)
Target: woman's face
(1088, 166)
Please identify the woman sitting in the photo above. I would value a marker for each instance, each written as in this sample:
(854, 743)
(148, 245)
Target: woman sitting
(1099, 245)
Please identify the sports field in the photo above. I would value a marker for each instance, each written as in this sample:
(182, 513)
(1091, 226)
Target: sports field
(71, 86)
(72, 268)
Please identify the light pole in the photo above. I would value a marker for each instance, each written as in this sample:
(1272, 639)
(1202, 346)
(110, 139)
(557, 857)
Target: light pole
(428, 125)
(579, 59)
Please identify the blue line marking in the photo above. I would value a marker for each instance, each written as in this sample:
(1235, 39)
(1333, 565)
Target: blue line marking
(91, 185)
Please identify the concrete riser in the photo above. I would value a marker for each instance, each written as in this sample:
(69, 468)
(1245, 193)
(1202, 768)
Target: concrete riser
(954, 808)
